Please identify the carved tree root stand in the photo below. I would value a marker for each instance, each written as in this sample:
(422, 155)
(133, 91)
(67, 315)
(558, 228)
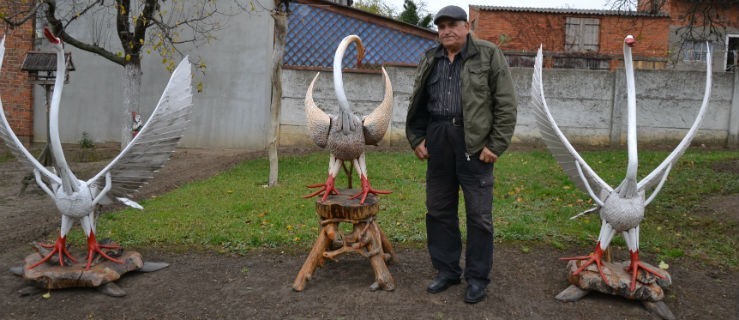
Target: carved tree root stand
(648, 290)
(101, 275)
(366, 238)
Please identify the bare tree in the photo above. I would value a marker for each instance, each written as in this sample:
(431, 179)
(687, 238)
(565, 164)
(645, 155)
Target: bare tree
(702, 19)
(151, 25)
(698, 20)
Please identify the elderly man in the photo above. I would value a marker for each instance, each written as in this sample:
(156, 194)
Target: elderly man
(461, 117)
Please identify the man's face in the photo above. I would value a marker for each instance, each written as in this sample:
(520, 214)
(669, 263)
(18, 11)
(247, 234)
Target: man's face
(453, 33)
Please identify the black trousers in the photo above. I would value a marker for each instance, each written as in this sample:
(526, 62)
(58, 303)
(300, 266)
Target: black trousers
(449, 168)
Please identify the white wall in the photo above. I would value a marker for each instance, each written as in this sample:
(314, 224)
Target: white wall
(589, 106)
(231, 112)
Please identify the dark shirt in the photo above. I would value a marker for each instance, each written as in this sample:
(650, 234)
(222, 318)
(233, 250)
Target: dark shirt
(444, 85)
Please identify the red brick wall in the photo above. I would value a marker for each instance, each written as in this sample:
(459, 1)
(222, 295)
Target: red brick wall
(525, 31)
(15, 90)
(652, 35)
(521, 31)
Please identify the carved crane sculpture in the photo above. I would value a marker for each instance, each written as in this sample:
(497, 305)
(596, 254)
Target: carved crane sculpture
(621, 209)
(132, 168)
(345, 134)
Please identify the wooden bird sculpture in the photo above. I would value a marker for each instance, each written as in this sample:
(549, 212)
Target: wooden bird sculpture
(345, 134)
(132, 168)
(621, 208)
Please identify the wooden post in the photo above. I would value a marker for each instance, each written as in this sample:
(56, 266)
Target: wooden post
(366, 239)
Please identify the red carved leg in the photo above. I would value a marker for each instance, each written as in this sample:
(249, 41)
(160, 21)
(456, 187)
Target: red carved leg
(595, 257)
(634, 268)
(367, 189)
(59, 247)
(94, 247)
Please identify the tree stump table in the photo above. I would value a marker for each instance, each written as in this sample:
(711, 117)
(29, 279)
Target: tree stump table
(366, 238)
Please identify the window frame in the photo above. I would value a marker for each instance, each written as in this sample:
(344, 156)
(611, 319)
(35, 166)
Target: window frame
(582, 34)
(695, 50)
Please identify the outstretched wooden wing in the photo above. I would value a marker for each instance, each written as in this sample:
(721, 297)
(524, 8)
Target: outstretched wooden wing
(155, 143)
(317, 121)
(558, 145)
(376, 123)
(663, 169)
(12, 141)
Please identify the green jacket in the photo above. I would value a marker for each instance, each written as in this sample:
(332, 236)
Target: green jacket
(488, 99)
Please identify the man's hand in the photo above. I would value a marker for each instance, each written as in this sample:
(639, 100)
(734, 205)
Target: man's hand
(421, 152)
(486, 155)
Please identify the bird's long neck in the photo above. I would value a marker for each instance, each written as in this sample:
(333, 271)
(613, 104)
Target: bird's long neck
(338, 80)
(633, 161)
(60, 163)
(2, 51)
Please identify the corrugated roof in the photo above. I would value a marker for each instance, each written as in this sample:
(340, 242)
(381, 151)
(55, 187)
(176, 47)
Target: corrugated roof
(44, 61)
(573, 11)
(314, 32)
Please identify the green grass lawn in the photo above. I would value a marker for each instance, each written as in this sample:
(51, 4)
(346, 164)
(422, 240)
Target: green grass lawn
(233, 211)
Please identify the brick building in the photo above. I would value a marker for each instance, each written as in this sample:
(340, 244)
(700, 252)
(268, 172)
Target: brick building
(592, 39)
(15, 89)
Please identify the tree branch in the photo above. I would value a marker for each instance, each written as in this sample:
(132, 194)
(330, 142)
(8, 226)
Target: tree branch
(24, 15)
(81, 13)
(57, 27)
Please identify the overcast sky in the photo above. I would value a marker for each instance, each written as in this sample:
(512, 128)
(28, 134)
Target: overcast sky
(434, 5)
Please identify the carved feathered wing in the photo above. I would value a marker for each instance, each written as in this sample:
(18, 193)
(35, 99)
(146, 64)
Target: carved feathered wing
(560, 147)
(155, 143)
(12, 141)
(317, 121)
(658, 173)
(376, 123)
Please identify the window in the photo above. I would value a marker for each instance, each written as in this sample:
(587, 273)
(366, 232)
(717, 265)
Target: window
(694, 50)
(582, 34)
(732, 52)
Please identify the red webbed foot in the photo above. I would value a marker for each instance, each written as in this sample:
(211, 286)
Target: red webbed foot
(367, 189)
(595, 257)
(326, 189)
(94, 247)
(60, 248)
(634, 267)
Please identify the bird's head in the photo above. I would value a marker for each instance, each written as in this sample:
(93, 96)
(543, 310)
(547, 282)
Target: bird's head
(51, 37)
(630, 40)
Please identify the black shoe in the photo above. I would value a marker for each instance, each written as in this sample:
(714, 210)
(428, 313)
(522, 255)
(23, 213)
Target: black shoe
(474, 294)
(441, 283)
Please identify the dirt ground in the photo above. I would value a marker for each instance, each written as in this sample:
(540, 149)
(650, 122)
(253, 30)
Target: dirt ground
(207, 285)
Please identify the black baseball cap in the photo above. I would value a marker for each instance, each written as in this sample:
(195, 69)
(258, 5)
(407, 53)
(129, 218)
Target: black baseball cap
(451, 12)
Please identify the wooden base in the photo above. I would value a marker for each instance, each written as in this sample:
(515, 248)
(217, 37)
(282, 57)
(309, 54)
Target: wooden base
(648, 290)
(366, 238)
(101, 275)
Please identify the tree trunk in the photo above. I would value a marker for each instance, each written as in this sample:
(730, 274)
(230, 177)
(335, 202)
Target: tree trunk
(131, 100)
(278, 52)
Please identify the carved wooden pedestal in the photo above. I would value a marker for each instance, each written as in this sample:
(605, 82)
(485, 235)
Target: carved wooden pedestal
(366, 238)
